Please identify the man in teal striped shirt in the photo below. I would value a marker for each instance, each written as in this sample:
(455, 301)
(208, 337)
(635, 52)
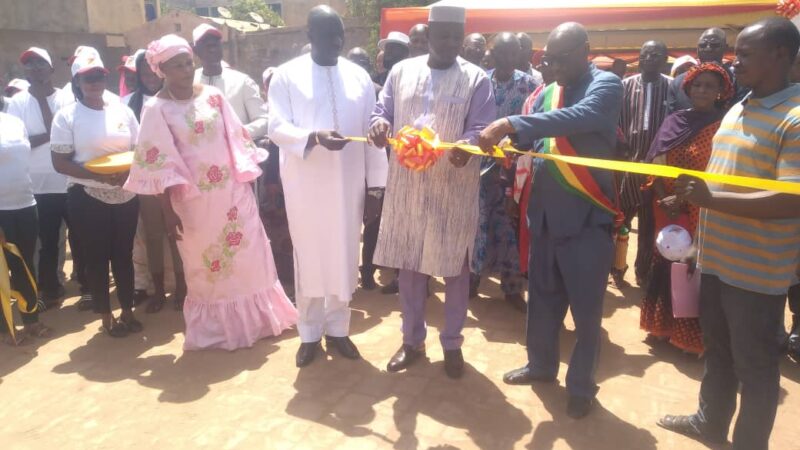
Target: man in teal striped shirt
(749, 243)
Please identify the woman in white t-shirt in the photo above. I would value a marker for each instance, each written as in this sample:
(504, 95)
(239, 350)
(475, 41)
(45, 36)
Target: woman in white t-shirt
(152, 233)
(19, 223)
(105, 215)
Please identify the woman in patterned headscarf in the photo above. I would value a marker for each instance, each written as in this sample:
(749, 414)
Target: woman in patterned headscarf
(684, 140)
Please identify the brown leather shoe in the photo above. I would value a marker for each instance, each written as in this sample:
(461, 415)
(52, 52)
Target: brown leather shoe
(404, 357)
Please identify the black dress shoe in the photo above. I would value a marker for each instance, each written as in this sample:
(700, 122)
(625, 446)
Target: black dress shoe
(525, 375)
(391, 288)
(454, 363)
(404, 357)
(579, 407)
(306, 353)
(794, 347)
(793, 341)
(517, 301)
(343, 345)
(687, 426)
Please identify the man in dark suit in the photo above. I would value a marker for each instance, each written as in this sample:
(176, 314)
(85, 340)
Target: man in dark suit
(571, 248)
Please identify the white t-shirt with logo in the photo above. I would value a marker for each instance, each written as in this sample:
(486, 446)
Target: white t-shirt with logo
(90, 134)
(16, 191)
(44, 177)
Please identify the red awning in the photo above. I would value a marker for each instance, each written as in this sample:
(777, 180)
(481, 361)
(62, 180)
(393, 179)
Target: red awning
(505, 15)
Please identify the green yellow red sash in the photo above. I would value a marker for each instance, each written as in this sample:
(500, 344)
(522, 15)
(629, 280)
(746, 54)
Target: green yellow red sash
(575, 179)
(28, 305)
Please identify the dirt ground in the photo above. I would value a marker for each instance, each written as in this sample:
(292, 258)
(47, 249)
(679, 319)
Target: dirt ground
(84, 390)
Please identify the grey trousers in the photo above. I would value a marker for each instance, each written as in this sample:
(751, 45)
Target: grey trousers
(568, 273)
(413, 296)
(741, 349)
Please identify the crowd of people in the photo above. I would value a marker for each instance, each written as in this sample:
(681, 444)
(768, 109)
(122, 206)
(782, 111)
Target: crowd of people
(254, 206)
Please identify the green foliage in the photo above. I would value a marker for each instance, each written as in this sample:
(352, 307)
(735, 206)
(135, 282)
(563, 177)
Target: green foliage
(166, 7)
(241, 9)
(370, 10)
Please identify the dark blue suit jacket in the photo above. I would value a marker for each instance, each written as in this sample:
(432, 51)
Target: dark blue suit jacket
(589, 120)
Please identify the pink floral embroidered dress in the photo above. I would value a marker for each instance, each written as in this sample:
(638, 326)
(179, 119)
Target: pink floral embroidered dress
(234, 296)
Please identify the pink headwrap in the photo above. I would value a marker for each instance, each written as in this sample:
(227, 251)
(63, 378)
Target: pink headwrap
(164, 49)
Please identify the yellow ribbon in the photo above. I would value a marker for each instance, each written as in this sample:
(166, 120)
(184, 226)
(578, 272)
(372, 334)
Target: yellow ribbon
(5, 287)
(656, 170)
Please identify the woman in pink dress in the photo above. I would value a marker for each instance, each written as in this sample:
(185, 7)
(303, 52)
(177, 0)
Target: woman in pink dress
(193, 152)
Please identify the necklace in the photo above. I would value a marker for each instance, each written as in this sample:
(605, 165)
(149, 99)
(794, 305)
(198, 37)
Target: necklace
(332, 90)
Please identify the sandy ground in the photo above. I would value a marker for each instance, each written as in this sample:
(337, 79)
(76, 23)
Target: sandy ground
(84, 390)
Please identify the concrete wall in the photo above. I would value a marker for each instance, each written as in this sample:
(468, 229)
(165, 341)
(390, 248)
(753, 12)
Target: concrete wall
(196, 3)
(60, 46)
(294, 12)
(72, 16)
(249, 52)
(176, 21)
(113, 16)
(69, 16)
(262, 49)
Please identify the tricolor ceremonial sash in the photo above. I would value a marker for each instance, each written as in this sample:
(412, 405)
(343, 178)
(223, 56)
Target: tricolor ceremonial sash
(6, 293)
(575, 179)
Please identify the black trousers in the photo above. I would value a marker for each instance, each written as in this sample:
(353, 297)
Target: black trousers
(52, 210)
(371, 240)
(21, 228)
(794, 299)
(368, 249)
(739, 338)
(106, 233)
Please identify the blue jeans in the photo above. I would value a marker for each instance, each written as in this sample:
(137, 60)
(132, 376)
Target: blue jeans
(739, 338)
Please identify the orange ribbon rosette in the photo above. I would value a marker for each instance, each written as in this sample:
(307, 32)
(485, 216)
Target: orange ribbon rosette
(417, 150)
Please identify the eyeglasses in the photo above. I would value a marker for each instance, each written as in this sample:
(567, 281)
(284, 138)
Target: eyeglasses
(710, 45)
(549, 60)
(95, 77)
(648, 55)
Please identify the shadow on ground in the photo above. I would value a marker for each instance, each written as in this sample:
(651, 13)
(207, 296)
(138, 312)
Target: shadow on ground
(344, 395)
